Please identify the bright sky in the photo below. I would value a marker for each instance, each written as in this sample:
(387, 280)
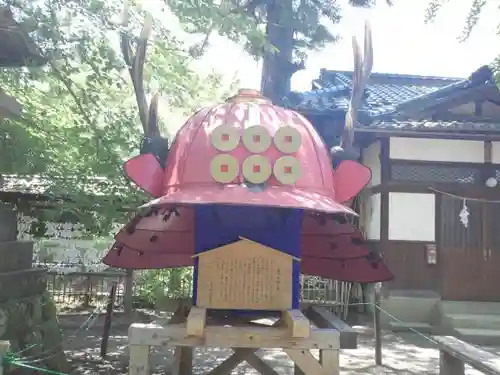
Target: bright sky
(402, 44)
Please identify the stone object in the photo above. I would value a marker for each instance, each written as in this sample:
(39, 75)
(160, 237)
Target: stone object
(15, 255)
(8, 221)
(28, 316)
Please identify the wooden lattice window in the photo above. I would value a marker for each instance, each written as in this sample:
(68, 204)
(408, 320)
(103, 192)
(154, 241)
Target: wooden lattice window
(435, 173)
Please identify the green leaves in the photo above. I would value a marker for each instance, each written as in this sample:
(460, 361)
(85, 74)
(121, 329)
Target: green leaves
(471, 20)
(80, 120)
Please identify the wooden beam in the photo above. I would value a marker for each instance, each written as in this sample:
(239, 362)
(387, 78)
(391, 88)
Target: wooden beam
(195, 323)
(454, 353)
(244, 354)
(183, 356)
(262, 367)
(471, 135)
(414, 107)
(231, 337)
(449, 117)
(297, 323)
(306, 362)
(449, 365)
(183, 361)
(233, 361)
(488, 151)
(239, 356)
(323, 318)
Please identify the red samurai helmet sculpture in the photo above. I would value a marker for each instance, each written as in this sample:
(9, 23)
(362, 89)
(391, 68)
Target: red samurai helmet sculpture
(248, 168)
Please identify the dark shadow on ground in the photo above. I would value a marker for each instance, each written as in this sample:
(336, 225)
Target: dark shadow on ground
(402, 354)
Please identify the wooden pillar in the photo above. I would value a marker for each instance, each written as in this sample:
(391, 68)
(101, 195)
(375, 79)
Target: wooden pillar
(128, 296)
(449, 365)
(183, 361)
(4, 349)
(376, 326)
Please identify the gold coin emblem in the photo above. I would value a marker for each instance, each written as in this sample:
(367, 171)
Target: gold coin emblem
(256, 139)
(224, 168)
(256, 169)
(225, 138)
(288, 139)
(287, 170)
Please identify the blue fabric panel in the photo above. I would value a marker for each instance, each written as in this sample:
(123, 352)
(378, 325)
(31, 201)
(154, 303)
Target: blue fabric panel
(278, 228)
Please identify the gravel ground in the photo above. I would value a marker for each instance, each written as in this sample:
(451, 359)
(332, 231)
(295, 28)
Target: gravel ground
(402, 353)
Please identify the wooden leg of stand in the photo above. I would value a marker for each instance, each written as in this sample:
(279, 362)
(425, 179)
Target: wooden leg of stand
(232, 362)
(262, 367)
(329, 359)
(306, 361)
(138, 360)
(183, 361)
(297, 370)
(240, 355)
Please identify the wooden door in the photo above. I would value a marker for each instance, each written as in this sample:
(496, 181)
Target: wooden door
(462, 256)
(491, 239)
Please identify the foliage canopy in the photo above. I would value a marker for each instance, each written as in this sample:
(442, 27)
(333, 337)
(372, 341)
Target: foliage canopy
(80, 121)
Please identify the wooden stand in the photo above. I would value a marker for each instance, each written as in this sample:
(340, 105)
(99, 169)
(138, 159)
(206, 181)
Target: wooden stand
(293, 332)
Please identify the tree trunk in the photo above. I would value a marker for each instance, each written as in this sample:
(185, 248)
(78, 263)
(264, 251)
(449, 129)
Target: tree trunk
(277, 68)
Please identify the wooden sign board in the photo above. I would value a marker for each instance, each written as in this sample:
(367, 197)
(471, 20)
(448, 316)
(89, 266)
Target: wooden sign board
(245, 275)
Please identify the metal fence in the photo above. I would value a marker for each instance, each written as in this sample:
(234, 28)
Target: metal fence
(73, 288)
(84, 288)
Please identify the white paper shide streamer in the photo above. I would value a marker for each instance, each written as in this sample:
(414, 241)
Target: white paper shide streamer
(464, 214)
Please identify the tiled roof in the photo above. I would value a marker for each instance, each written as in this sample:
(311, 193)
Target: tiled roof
(331, 91)
(427, 125)
(394, 101)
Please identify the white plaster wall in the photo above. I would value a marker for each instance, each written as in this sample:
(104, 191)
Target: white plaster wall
(495, 152)
(412, 217)
(436, 150)
(373, 226)
(371, 158)
(64, 243)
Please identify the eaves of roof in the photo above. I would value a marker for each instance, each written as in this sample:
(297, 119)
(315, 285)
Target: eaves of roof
(429, 125)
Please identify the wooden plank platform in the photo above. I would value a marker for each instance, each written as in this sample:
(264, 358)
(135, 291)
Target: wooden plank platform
(292, 331)
(231, 337)
(323, 318)
(455, 353)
